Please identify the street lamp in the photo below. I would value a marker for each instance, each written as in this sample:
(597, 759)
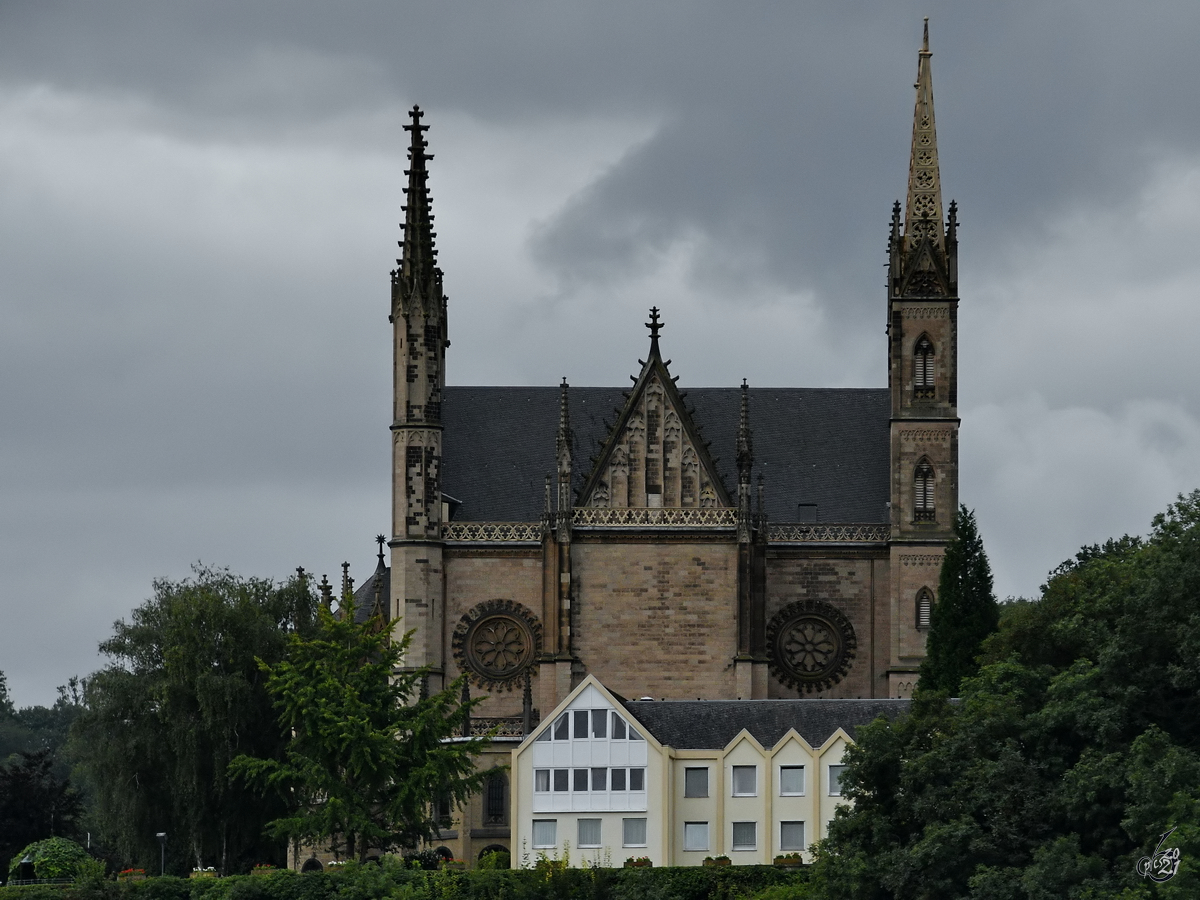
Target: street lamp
(162, 843)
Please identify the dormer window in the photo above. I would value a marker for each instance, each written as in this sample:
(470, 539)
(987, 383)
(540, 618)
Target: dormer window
(924, 509)
(923, 373)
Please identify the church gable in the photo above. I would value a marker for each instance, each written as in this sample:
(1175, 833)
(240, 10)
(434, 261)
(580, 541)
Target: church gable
(654, 455)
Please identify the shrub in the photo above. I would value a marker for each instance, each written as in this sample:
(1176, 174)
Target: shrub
(52, 858)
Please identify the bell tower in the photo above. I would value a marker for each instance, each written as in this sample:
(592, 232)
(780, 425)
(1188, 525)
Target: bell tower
(418, 317)
(923, 382)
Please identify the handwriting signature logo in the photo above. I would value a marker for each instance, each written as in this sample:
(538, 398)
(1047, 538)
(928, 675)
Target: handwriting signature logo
(1162, 864)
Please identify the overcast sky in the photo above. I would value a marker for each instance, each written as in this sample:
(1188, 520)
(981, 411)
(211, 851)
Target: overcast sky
(198, 208)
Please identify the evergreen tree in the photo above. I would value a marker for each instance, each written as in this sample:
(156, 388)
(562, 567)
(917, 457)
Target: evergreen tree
(366, 756)
(965, 613)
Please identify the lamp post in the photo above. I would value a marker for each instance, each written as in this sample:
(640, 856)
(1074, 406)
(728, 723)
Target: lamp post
(162, 843)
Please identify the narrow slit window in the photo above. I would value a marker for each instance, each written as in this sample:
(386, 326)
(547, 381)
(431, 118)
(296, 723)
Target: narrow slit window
(923, 370)
(924, 608)
(924, 509)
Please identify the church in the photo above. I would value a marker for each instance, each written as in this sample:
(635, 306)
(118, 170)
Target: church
(675, 542)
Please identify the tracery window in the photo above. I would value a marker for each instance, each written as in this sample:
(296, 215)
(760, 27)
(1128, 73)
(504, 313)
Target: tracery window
(924, 608)
(495, 800)
(924, 509)
(923, 372)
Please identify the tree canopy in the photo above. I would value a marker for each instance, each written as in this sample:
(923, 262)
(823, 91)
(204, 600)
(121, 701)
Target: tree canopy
(366, 755)
(1070, 754)
(965, 612)
(181, 698)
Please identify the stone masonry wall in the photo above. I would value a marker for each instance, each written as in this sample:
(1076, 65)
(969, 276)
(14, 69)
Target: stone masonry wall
(657, 619)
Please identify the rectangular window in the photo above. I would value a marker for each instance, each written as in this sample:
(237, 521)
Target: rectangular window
(637, 779)
(791, 836)
(695, 835)
(745, 781)
(835, 780)
(618, 728)
(562, 728)
(561, 779)
(633, 832)
(618, 779)
(544, 831)
(599, 779)
(541, 779)
(589, 833)
(599, 723)
(580, 780)
(791, 781)
(745, 835)
(581, 724)
(695, 782)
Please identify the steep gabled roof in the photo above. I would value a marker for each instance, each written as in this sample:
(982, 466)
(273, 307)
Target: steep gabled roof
(656, 378)
(824, 446)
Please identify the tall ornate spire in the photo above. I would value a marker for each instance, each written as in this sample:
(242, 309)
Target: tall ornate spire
(922, 259)
(418, 277)
(923, 210)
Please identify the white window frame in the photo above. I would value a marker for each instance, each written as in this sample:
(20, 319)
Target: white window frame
(625, 842)
(691, 834)
(733, 842)
(785, 847)
(734, 781)
(553, 823)
(803, 781)
(687, 770)
(599, 832)
(835, 787)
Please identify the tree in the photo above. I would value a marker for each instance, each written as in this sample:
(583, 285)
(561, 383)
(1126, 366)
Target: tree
(366, 756)
(965, 613)
(1069, 755)
(34, 803)
(182, 697)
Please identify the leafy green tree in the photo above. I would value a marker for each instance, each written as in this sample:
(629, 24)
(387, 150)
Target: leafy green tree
(1075, 748)
(34, 803)
(182, 697)
(965, 613)
(366, 755)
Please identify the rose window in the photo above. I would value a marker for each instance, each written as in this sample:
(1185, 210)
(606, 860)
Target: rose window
(496, 642)
(811, 645)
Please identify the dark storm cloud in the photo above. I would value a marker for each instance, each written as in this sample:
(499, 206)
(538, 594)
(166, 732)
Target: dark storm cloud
(198, 207)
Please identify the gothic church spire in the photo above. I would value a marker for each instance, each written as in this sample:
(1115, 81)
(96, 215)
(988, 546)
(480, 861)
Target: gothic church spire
(418, 278)
(922, 257)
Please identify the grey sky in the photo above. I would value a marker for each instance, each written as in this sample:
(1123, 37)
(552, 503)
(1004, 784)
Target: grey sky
(198, 208)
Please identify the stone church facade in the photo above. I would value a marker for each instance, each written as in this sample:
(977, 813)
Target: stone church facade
(679, 543)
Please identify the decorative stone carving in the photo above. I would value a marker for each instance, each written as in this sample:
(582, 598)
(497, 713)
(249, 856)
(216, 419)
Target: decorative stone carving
(495, 642)
(811, 644)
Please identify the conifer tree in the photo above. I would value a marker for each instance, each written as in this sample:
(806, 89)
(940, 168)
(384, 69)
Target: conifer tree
(368, 754)
(965, 613)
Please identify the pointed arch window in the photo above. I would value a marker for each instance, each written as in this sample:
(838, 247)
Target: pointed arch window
(924, 608)
(923, 369)
(924, 509)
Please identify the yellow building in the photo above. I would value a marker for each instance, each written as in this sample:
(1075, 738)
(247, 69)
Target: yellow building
(603, 778)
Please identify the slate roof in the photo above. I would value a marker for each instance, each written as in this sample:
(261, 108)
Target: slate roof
(712, 724)
(828, 446)
(364, 594)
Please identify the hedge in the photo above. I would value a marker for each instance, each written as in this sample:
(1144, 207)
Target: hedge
(392, 881)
